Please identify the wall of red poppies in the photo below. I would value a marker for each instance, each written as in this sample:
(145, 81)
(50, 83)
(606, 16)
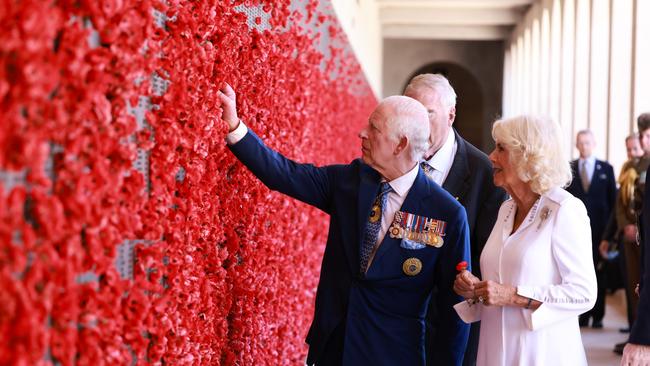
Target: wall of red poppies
(129, 233)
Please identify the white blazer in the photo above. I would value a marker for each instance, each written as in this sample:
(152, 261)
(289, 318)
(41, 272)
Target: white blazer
(548, 259)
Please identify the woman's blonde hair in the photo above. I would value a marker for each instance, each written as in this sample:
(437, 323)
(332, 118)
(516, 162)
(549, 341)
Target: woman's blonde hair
(535, 151)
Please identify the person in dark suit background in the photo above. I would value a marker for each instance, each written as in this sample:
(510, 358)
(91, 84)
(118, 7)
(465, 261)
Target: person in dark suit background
(637, 350)
(462, 170)
(594, 183)
(374, 288)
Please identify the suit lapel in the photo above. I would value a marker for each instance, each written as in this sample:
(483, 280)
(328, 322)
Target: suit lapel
(596, 174)
(412, 205)
(368, 189)
(457, 181)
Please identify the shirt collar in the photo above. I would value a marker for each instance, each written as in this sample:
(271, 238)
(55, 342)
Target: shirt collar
(590, 160)
(403, 184)
(441, 158)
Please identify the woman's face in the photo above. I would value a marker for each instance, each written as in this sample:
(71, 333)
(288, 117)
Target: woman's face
(503, 173)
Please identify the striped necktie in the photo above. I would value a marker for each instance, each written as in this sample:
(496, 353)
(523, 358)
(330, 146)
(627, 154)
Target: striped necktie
(373, 225)
(584, 176)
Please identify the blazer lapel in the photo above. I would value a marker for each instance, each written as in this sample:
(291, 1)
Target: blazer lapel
(368, 189)
(596, 175)
(411, 204)
(457, 181)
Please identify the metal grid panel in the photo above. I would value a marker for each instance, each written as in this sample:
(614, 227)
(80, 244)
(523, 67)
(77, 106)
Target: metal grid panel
(124, 259)
(10, 180)
(256, 17)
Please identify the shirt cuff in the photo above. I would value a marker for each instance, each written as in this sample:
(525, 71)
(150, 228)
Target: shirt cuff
(527, 291)
(468, 313)
(237, 134)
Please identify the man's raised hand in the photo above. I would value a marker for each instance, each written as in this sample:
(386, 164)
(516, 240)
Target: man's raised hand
(229, 106)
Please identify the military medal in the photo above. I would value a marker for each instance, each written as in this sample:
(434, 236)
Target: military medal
(437, 241)
(412, 266)
(396, 232)
(436, 230)
(417, 229)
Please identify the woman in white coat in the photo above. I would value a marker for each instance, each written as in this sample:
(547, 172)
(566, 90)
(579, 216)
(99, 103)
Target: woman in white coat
(537, 268)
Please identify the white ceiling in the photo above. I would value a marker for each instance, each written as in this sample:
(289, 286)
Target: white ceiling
(450, 19)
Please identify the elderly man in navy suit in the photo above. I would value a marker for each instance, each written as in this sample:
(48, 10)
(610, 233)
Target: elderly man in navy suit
(594, 183)
(462, 170)
(394, 236)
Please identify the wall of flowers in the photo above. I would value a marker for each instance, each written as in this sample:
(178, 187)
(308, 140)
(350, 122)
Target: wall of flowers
(129, 233)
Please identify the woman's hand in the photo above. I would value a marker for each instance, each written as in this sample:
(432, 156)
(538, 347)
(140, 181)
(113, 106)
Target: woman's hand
(464, 284)
(496, 294)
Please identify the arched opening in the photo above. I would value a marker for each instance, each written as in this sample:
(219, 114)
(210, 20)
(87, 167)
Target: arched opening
(469, 102)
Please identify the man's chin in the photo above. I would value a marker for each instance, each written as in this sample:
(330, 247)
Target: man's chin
(367, 160)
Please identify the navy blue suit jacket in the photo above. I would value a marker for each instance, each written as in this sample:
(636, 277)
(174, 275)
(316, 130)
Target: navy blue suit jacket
(382, 312)
(640, 333)
(599, 200)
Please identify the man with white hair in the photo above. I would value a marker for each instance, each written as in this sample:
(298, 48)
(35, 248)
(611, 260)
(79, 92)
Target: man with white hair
(374, 288)
(462, 170)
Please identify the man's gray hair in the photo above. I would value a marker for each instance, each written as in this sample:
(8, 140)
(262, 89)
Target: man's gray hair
(408, 117)
(586, 131)
(438, 84)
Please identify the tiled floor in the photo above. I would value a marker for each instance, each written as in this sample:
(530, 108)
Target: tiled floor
(600, 342)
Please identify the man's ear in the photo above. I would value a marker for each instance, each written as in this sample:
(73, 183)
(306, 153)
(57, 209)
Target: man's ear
(401, 145)
(452, 115)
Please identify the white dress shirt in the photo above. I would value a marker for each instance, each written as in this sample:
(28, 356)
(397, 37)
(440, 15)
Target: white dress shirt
(237, 134)
(442, 160)
(401, 187)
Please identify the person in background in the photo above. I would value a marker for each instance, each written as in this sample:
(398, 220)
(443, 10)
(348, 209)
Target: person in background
(538, 274)
(594, 184)
(621, 230)
(637, 350)
(393, 237)
(462, 170)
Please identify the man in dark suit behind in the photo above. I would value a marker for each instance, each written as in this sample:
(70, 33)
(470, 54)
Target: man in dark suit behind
(637, 350)
(462, 170)
(594, 183)
(374, 288)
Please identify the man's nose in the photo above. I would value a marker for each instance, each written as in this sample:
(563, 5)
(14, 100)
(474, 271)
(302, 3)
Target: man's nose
(491, 157)
(363, 134)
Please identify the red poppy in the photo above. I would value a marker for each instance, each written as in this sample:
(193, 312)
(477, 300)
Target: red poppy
(461, 266)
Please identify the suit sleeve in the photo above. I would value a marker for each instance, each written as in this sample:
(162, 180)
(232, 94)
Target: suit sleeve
(304, 182)
(452, 340)
(572, 251)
